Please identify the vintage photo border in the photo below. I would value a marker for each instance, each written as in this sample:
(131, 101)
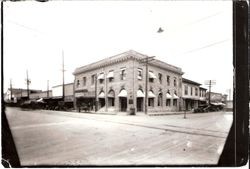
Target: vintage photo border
(236, 148)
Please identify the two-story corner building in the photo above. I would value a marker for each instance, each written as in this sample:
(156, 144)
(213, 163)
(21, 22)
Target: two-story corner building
(118, 83)
(192, 94)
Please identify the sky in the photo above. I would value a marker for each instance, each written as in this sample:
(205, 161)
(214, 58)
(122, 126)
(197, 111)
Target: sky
(197, 37)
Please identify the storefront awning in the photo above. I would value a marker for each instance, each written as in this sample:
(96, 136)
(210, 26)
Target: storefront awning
(168, 96)
(100, 76)
(111, 94)
(151, 94)
(202, 99)
(140, 93)
(110, 74)
(175, 96)
(152, 75)
(101, 95)
(123, 93)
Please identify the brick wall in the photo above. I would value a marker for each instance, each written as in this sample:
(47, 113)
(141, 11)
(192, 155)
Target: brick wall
(131, 83)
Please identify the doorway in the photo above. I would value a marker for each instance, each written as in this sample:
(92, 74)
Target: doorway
(139, 104)
(123, 104)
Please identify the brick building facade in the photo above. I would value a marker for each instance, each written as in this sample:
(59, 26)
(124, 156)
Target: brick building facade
(118, 84)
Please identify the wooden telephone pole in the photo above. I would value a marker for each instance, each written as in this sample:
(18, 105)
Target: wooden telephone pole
(146, 61)
(47, 88)
(63, 70)
(210, 83)
(10, 90)
(28, 83)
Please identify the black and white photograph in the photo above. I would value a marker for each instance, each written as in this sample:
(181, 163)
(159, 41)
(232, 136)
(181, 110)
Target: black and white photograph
(118, 83)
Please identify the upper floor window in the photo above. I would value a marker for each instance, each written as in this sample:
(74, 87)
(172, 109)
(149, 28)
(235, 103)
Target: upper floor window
(186, 90)
(84, 81)
(168, 80)
(196, 92)
(101, 77)
(175, 84)
(191, 88)
(139, 75)
(92, 79)
(123, 73)
(110, 76)
(160, 77)
(151, 76)
(77, 83)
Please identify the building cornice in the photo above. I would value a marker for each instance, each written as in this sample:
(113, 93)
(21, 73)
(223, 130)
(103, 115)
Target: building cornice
(129, 55)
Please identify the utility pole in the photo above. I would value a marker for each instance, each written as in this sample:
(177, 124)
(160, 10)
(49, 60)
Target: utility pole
(47, 88)
(146, 61)
(210, 83)
(10, 90)
(229, 91)
(28, 82)
(96, 100)
(63, 70)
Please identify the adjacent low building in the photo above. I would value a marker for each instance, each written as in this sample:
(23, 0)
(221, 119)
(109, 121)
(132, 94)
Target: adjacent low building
(216, 97)
(68, 92)
(118, 83)
(17, 94)
(192, 94)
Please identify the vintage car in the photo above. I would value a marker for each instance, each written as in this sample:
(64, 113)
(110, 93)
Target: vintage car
(212, 107)
(33, 104)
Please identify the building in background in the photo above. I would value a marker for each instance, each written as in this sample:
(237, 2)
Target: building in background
(41, 94)
(202, 99)
(68, 92)
(192, 94)
(216, 97)
(118, 84)
(16, 95)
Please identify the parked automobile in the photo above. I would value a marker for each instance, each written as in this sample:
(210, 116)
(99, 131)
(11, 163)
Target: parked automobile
(33, 104)
(212, 107)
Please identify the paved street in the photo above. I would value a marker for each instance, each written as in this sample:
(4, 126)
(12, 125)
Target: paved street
(47, 137)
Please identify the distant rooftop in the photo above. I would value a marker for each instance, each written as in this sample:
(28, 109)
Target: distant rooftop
(131, 54)
(64, 85)
(190, 81)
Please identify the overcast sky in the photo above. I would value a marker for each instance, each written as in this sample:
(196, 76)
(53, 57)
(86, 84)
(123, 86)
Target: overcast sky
(197, 37)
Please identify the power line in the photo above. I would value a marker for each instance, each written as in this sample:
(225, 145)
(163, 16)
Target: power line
(206, 46)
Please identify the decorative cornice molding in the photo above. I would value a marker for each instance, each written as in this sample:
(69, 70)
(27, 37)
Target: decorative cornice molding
(129, 55)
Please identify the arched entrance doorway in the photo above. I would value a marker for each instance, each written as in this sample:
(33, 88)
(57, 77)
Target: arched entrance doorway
(123, 100)
(139, 100)
(111, 98)
(101, 98)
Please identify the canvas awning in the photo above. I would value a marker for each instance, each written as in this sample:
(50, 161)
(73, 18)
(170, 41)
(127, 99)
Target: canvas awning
(175, 96)
(152, 75)
(151, 94)
(111, 94)
(101, 95)
(123, 93)
(100, 76)
(168, 96)
(140, 93)
(110, 74)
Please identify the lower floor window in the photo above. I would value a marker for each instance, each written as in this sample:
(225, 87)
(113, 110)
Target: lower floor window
(175, 102)
(168, 102)
(151, 102)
